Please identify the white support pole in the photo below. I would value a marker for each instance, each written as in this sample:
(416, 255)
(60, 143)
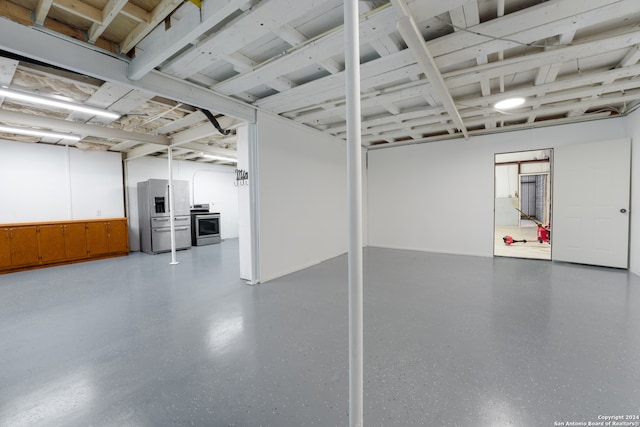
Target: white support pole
(354, 177)
(172, 208)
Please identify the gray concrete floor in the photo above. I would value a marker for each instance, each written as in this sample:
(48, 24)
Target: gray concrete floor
(449, 341)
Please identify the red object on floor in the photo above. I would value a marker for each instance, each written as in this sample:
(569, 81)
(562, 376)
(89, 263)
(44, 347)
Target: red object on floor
(508, 240)
(544, 233)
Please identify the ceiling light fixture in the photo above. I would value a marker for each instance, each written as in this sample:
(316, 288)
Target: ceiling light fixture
(214, 157)
(509, 103)
(34, 132)
(42, 100)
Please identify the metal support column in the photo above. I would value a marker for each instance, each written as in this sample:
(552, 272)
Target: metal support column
(354, 177)
(172, 208)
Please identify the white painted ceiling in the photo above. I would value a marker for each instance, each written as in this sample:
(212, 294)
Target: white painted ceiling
(430, 69)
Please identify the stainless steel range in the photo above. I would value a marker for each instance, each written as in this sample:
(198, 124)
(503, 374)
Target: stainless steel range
(154, 219)
(205, 226)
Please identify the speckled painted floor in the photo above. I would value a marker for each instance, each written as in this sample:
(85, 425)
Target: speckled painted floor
(449, 341)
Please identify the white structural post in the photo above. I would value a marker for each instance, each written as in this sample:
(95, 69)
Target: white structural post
(171, 209)
(354, 177)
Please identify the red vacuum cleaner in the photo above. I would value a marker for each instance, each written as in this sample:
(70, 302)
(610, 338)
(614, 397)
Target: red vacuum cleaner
(544, 231)
(508, 240)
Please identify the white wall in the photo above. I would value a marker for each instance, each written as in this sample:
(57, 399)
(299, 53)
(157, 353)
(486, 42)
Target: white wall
(303, 196)
(48, 182)
(245, 224)
(439, 196)
(211, 184)
(633, 130)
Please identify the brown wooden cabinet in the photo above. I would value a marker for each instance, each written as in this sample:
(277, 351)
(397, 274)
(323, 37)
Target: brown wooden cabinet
(75, 239)
(118, 236)
(62, 242)
(5, 248)
(51, 239)
(24, 246)
(97, 238)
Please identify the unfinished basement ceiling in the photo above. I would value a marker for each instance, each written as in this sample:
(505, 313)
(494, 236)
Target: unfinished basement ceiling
(146, 125)
(431, 69)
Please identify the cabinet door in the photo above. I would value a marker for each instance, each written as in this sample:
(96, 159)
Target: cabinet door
(5, 248)
(75, 238)
(24, 246)
(118, 236)
(51, 239)
(97, 238)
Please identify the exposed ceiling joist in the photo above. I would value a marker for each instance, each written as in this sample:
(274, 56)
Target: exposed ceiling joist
(569, 58)
(164, 42)
(159, 13)
(81, 10)
(415, 42)
(147, 149)
(42, 10)
(13, 117)
(8, 68)
(109, 13)
(525, 27)
(247, 28)
(52, 50)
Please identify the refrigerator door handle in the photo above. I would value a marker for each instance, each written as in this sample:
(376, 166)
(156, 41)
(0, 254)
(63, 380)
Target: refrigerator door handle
(167, 230)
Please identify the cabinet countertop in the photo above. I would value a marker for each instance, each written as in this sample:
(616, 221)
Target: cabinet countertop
(61, 222)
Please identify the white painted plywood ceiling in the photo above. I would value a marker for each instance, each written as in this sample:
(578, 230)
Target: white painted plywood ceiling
(430, 69)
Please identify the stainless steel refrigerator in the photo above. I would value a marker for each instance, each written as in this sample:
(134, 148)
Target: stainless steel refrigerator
(154, 219)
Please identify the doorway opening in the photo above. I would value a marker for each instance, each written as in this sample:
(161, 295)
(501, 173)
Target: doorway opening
(522, 205)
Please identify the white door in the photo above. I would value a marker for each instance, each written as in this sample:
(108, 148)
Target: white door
(591, 203)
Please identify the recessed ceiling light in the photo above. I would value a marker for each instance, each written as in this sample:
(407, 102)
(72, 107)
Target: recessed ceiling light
(508, 103)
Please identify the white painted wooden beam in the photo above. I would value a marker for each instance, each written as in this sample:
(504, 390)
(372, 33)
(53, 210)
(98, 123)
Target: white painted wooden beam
(124, 145)
(147, 149)
(193, 134)
(239, 61)
(104, 97)
(385, 45)
(332, 86)
(631, 58)
(42, 10)
(8, 68)
(159, 13)
(515, 116)
(527, 26)
(466, 15)
(210, 149)
(187, 121)
(624, 38)
(562, 92)
(109, 13)
(295, 38)
(162, 43)
(330, 45)
(381, 22)
(255, 24)
(548, 73)
(415, 41)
